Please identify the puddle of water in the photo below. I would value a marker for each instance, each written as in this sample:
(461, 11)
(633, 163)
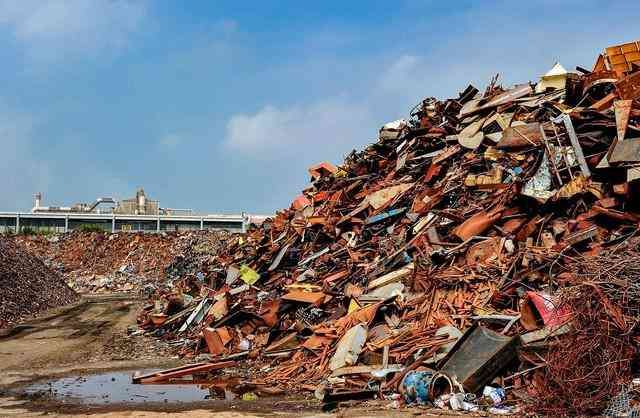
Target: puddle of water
(115, 387)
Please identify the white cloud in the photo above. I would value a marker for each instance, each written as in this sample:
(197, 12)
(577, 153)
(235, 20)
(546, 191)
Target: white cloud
(400, 74)
(274, 146)
(321, 126)
(55, 29)
(343, 122)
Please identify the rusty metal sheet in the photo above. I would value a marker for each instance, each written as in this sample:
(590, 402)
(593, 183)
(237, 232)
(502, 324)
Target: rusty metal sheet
(621, 57)
(604, 103)
(629, 87)
(476, 224)
(181, 371)
(487, 180)
(482, 251)
(577, 185)
(582, 235)
(508, 96)
(521, 136)
(314, 298)
(626, 151)
(381, 197)
(322, 169)
(599, 77)
(599, 64)
(471, 136)
(622, 109)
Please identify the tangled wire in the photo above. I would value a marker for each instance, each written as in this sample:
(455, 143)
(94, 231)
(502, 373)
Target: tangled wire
(586, 367)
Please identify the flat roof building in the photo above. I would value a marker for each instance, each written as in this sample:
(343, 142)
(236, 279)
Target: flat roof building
(129, 215)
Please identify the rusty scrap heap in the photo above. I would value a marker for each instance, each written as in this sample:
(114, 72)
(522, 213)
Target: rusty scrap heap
(466, 252)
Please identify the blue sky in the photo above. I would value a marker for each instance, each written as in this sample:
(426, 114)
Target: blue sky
(221, 106)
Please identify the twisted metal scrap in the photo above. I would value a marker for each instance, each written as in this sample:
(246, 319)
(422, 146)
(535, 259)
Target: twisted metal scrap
(585, 368)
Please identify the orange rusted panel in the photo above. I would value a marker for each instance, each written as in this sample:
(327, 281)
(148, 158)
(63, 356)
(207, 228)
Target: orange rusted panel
(620, 57)
(629, 87)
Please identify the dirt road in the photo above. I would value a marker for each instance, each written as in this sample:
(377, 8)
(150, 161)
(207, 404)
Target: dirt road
(90, 338)
(89, 335)
(83, 338)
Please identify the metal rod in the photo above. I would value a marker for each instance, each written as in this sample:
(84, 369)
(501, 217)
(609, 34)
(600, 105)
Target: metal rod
(576, 145)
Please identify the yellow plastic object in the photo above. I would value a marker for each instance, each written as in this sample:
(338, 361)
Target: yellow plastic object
(249, 396)
(248, 275)
(353, 306)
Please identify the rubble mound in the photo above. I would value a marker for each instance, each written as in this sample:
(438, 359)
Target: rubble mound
(88, 253)
(105, 262)
(27, 285)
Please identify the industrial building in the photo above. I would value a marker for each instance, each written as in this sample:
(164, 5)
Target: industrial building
(128, 215)
(138, 205)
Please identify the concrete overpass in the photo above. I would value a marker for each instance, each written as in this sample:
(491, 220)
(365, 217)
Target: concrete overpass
(70, 221)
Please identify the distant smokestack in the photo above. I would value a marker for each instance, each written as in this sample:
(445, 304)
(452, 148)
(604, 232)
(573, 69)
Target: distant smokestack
(37, 200)
(142, 201)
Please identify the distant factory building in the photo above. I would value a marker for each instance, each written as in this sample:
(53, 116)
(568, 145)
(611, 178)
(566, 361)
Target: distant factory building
(139, 205)
(138, 214)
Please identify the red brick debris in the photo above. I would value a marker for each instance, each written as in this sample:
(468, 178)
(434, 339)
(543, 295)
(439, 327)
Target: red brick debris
(94, 262)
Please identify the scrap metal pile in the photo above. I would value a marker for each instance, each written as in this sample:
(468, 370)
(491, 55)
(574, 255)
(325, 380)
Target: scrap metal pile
(462, 260)
(27, 286)
(100, 262)
(194, 253)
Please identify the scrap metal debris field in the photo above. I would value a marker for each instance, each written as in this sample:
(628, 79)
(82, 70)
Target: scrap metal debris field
(479, 257)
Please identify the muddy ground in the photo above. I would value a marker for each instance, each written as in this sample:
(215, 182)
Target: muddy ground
(90, 337)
